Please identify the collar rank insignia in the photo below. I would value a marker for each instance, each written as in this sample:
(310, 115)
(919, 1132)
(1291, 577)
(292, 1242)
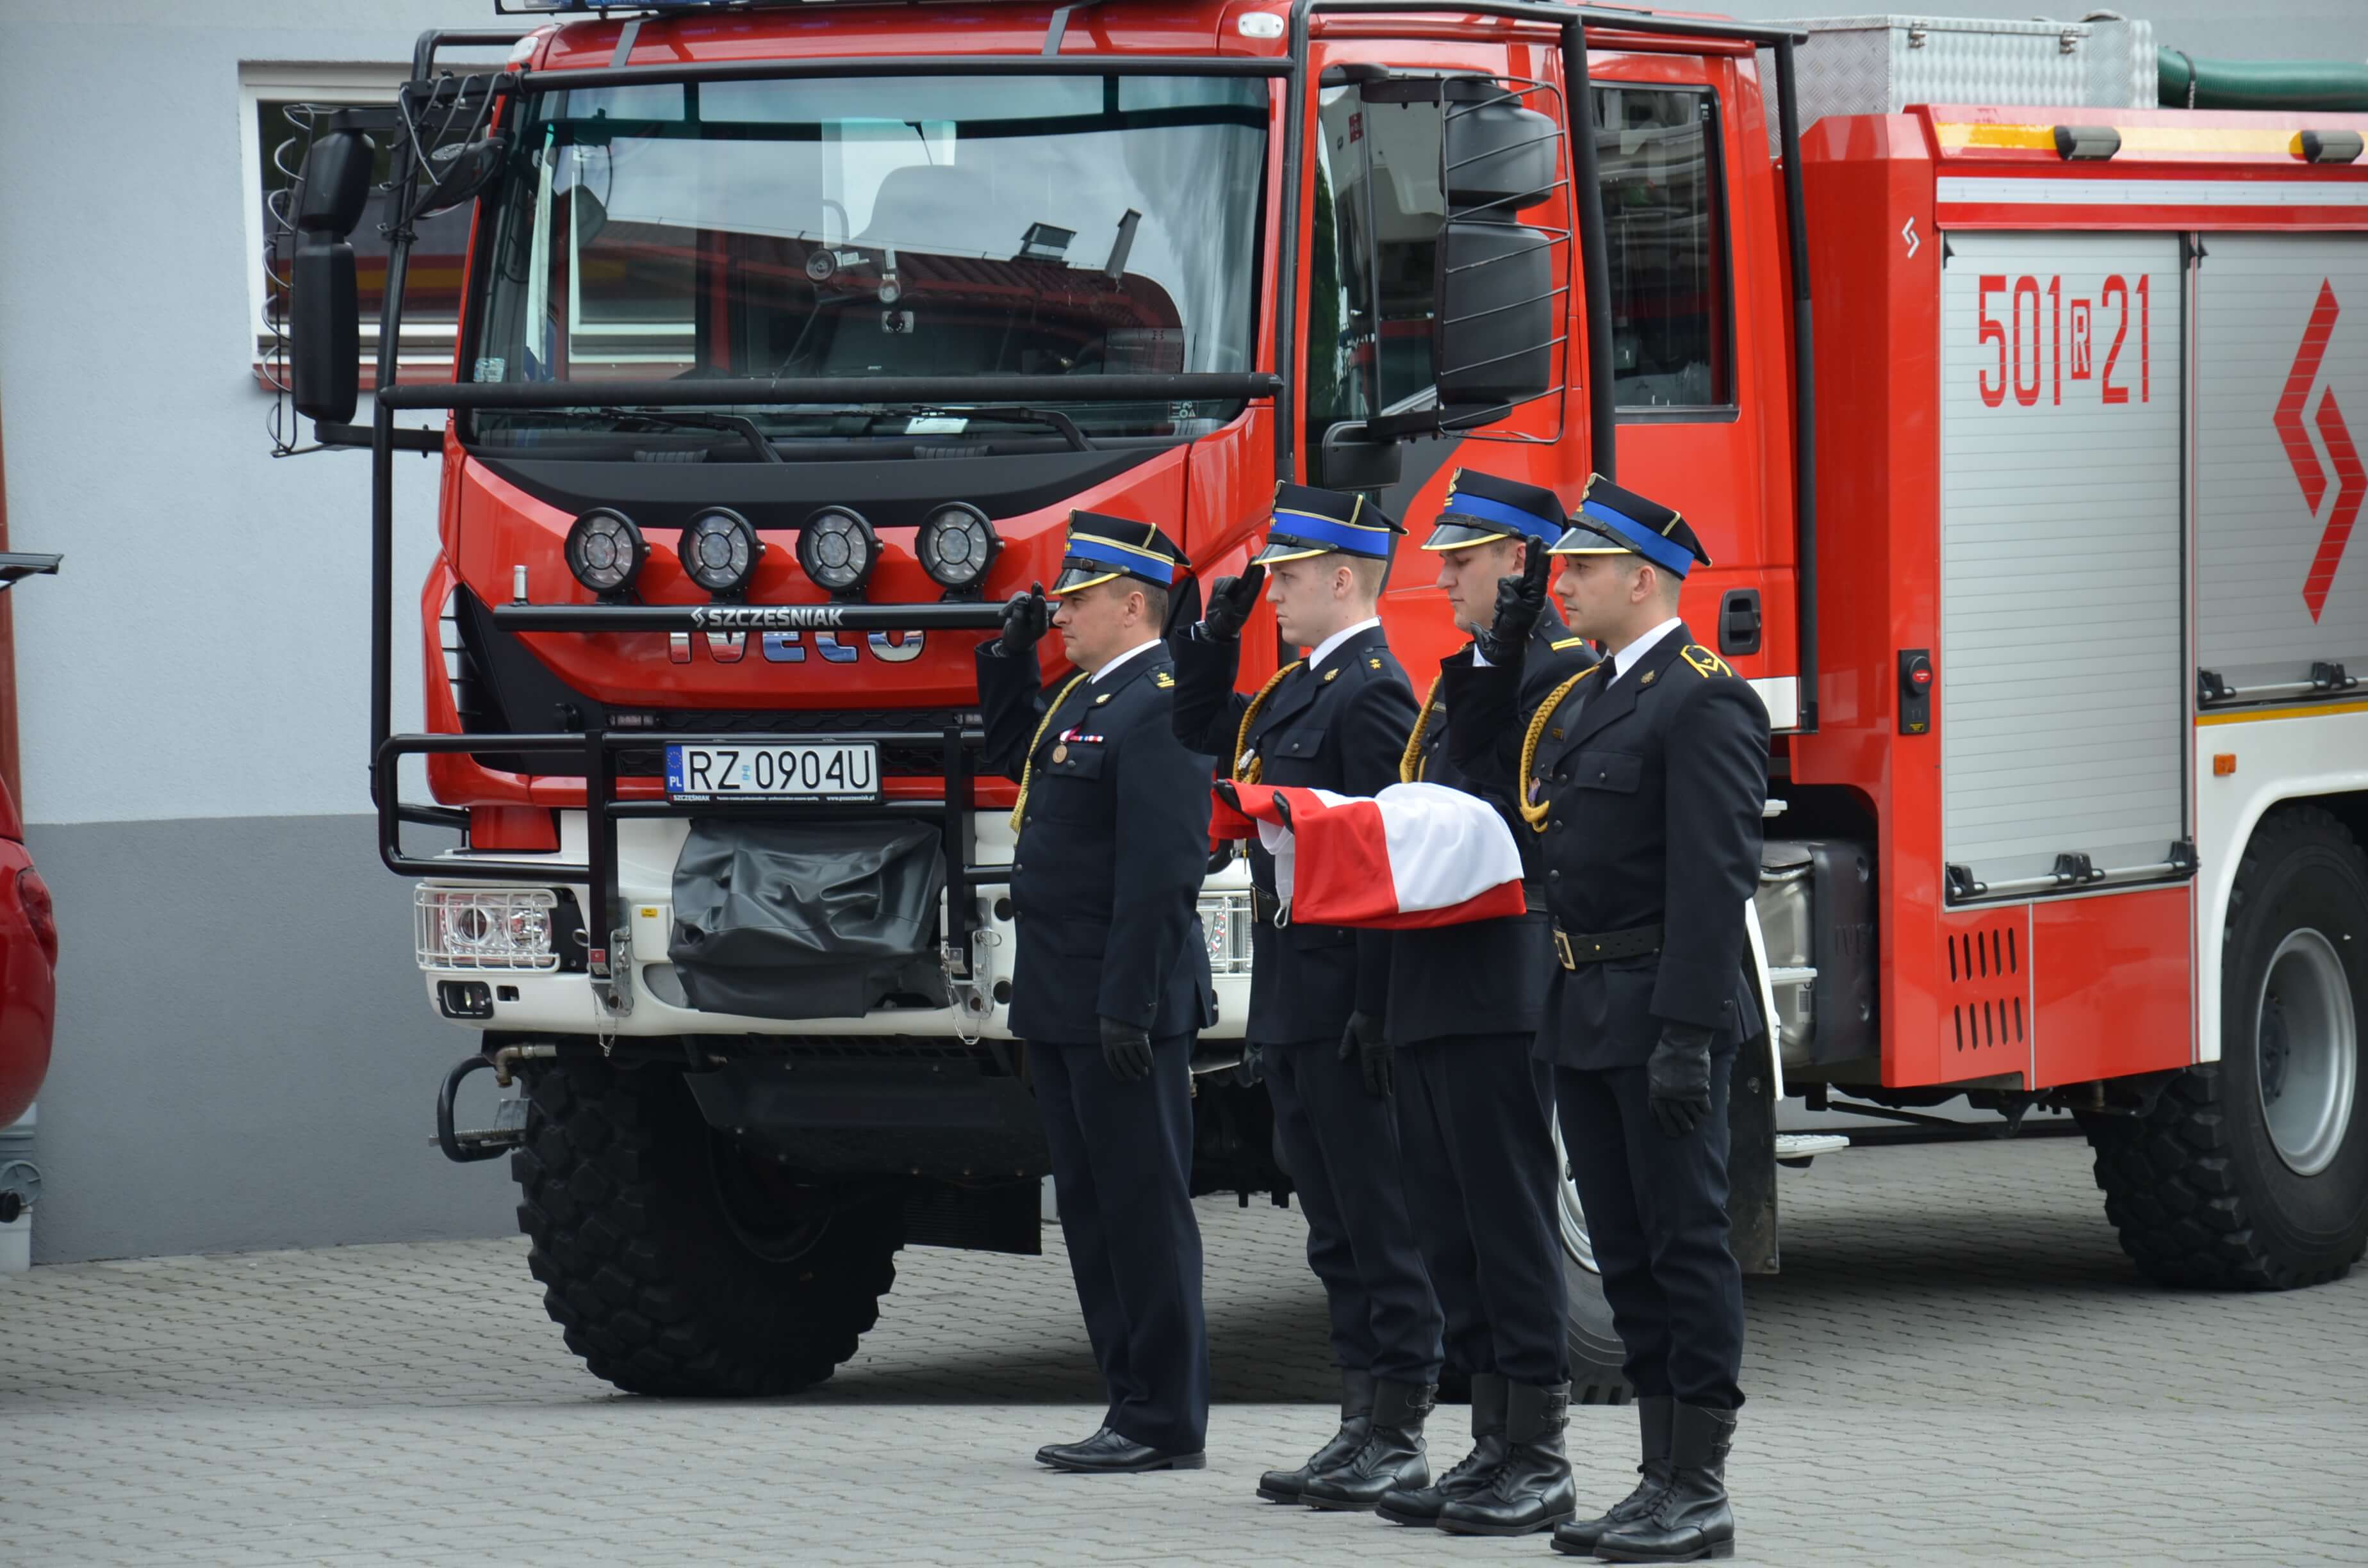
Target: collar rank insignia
(1332, 674)
(1104, 697)
(1646, 680)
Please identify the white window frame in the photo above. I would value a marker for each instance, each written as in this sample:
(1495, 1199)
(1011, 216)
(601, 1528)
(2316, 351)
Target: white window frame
(352, 82)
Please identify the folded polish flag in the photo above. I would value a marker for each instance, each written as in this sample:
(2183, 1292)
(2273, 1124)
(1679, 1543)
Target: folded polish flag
(1415, 855)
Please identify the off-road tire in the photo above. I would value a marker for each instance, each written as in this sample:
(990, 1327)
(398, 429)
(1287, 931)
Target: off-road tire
(2196, 1186)
(643, 1267)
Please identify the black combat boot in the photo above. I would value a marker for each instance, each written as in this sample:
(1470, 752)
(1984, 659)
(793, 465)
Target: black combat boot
(1578, 1537)
(1471, 1473)
(1392, 1459)
(1356, 1420)
(1691, 1518)
(1531, 1490)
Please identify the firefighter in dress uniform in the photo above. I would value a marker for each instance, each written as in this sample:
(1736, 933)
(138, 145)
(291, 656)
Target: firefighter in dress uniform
(1335, 720)
(1111, 983)
(1644, 779)
(1474, 1107)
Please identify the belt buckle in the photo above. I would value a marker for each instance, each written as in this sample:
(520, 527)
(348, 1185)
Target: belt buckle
(1562, 948)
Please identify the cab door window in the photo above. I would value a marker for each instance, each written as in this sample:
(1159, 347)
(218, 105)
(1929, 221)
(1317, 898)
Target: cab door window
(1374, 273)
(1665, 230)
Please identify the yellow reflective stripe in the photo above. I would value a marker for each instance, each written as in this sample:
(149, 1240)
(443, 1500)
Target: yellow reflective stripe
(2255, 715)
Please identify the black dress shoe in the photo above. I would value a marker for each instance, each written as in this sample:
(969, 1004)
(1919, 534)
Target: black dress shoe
(1579, 1535)
(1690, 1519)
(1392, 1458)
(1045, 1455)
(1532, 1491)
(1114, 1453)
(1356, 1419)
(1420, 1509)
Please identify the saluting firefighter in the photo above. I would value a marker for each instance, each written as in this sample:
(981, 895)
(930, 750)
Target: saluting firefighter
(1335, 719)
(1474, 1105)
(1111, 983)
(1644, 779)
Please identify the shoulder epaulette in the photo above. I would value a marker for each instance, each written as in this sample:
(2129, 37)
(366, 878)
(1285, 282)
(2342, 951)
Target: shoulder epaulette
(1705, 663)
(1568, 642)
(1162, 679)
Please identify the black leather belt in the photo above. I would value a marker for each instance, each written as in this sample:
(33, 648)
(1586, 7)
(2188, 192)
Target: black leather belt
(1574, 948)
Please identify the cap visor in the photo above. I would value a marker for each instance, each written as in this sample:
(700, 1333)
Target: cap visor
(1076, 577)
(1462, 536)
(1585, 539)
(1290, 550)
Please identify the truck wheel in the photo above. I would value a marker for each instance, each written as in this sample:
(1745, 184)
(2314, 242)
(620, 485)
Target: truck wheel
(1596, 1360)
(677, 1264)
(2253, 1171)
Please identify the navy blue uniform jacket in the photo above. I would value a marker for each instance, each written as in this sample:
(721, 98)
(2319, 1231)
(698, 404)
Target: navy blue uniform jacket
(1107, 876)
(1342, 728)
(1654, 785)
(1487, 977)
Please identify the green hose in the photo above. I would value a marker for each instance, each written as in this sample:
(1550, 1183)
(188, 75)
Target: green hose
(2331, 85)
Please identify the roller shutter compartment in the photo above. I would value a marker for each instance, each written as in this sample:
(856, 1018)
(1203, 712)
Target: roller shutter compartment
(2062, 707)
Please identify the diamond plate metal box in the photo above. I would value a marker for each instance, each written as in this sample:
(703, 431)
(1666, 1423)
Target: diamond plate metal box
(1882, 65)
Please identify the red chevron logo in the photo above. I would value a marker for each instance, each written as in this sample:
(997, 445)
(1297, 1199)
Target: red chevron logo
(2351, 478)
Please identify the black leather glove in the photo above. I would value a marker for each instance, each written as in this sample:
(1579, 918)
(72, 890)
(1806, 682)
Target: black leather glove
(1231, 600)
(1521, 601)
(1677, 1079)
(1362, 1038)
(1025, 619)
(1126, 1050)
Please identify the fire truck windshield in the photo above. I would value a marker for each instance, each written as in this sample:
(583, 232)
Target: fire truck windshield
(850, 228)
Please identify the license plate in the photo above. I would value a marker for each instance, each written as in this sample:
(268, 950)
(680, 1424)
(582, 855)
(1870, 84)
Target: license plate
(779, 772)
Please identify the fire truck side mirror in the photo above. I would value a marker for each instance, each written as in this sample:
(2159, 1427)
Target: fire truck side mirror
(323, 296)
(334, 184)
(325, 331)
(1351, 459)
(1496, 156)
(1494, 332)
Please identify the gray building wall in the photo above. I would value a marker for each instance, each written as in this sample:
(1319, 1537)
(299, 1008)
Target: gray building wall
(245, 1053)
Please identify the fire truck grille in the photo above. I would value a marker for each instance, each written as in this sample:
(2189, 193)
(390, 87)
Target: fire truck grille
(1989, 994)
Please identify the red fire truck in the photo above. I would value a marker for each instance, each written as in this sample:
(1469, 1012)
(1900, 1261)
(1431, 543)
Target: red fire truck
(792, 336)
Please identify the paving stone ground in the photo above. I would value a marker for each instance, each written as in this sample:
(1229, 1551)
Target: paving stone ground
(1957, 1366)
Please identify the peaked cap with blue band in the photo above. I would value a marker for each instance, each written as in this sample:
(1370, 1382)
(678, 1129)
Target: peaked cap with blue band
(1100, 548)
(1309, 522)
(1613, 521)
(1481, 506)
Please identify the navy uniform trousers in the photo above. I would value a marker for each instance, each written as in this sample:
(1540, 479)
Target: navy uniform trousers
(1123, 1162)
(1479, 1154)
(1657, 1214)
(1340, 1143)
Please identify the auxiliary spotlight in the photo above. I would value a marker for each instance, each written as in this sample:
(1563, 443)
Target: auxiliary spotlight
(720, 550)
(957, 544)
(606, 551)
(839, 550)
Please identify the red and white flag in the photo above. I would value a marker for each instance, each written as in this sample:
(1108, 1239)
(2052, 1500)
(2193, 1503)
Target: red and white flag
(1415, 855)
